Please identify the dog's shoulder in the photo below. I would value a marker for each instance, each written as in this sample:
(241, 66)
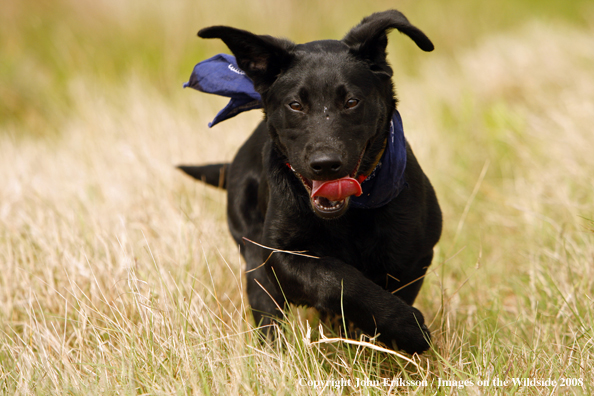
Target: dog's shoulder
(248, 186)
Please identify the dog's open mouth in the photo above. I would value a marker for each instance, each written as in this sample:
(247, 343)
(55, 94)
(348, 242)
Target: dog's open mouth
(329, 198)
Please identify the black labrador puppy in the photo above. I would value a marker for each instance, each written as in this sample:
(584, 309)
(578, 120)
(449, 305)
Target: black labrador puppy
(329, 173)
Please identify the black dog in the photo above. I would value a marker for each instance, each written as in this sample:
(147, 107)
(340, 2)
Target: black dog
(315, 177)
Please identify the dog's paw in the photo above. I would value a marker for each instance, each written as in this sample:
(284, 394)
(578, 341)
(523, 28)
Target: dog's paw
(417, 343)
(408, 333)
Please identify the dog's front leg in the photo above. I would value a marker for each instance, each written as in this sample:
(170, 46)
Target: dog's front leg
(331, 285)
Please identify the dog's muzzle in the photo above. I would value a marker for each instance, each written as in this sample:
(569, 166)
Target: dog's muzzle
(329, 198)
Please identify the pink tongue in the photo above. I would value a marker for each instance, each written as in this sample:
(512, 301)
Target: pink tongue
(336, 190)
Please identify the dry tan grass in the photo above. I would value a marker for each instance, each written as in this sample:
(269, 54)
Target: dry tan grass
(117, 274)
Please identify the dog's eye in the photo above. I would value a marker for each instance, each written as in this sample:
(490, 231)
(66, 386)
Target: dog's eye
(351, 103)
(296, 106)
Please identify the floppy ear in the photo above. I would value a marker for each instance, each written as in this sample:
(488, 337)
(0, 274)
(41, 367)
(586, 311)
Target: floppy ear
(368, 40)
(262, 58)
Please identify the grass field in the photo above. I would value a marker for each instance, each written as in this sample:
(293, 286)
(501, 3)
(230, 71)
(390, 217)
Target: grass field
(118, 275)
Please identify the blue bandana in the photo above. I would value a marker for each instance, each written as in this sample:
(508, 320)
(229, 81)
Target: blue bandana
(387, 179)
(220, 75)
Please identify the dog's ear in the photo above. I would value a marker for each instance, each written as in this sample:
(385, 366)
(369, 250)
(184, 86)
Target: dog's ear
(369, 39)
(262, 58)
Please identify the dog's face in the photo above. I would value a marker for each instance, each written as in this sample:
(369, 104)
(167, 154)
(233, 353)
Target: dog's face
(328, 103)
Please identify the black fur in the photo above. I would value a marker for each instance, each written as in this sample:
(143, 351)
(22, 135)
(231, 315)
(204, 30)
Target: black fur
(371, 261)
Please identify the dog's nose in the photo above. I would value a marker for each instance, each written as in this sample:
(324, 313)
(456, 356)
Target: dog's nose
(325, 165)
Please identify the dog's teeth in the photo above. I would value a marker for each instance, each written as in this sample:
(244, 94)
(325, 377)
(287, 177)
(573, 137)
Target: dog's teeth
(327, 205)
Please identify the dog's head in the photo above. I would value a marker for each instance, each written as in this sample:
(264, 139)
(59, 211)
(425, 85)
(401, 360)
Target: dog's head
(328, 104)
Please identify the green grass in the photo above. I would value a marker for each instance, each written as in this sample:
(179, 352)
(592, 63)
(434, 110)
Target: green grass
(117, 273)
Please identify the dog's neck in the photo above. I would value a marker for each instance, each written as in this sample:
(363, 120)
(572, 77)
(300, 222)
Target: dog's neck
(376, 161)
(387, 179)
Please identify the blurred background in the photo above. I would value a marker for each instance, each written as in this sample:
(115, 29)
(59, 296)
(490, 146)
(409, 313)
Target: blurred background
(47, 45)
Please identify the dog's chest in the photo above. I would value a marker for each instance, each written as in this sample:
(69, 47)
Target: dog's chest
(371, 246)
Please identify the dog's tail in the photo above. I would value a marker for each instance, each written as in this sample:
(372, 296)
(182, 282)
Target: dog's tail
(213, 174)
